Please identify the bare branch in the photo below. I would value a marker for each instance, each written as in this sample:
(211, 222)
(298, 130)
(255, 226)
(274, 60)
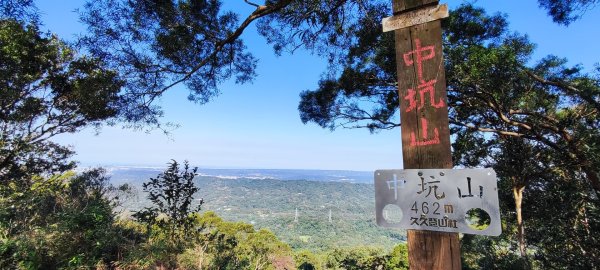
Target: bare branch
(252, 4)
(482, 129)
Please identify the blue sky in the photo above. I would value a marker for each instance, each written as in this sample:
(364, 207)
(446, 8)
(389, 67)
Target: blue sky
(257, 125)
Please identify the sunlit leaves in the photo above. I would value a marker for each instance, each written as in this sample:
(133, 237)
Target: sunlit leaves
(47, 89)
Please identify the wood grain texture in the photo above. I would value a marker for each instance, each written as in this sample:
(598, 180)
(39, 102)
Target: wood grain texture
(419, 16)
(433, 250)
(427, 250)
(399, 6)
(431, 156)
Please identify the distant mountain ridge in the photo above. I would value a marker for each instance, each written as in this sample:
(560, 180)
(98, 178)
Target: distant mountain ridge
(134, 172)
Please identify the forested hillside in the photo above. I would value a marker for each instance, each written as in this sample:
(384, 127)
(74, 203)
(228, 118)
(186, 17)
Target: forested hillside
(271, 204)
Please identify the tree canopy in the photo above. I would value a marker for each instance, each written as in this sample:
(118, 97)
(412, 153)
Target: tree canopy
(157, 45)
(535, 123)
(491, 89)
(172, 195)
(47, 89)
(567, 11)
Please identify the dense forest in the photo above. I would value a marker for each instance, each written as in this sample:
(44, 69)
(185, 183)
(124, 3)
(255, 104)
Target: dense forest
(536, 123)
(329, 214)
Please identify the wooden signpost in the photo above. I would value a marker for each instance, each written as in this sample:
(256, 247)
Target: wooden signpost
(424, 115)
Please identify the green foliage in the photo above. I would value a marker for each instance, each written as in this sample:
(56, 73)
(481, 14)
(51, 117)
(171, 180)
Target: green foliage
(46, 90)
(544, 119)
(563, 224)
(558, 208)
(155, 45)
(20, 10)
(367, 73)
(355, 258)
(491, 88)
(179, 237)
(480, 252)
(67, 222)
(358, 257)
(398, 258)
(172, 195)
(64, 221)
(566, 11)
(537, 161)
(270, 203)
(319, 26)
(306, 260)
(234, 245)
(170, 219)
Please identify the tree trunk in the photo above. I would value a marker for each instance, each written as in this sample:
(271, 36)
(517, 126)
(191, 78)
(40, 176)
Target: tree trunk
(518, 194)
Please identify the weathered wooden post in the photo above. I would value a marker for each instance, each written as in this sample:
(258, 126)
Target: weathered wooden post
(424, 115)
(428, 198)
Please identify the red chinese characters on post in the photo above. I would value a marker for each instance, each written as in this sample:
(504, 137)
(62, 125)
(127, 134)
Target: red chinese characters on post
(426, 90)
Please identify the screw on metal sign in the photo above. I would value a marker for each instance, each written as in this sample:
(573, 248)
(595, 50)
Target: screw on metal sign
(446, 200)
